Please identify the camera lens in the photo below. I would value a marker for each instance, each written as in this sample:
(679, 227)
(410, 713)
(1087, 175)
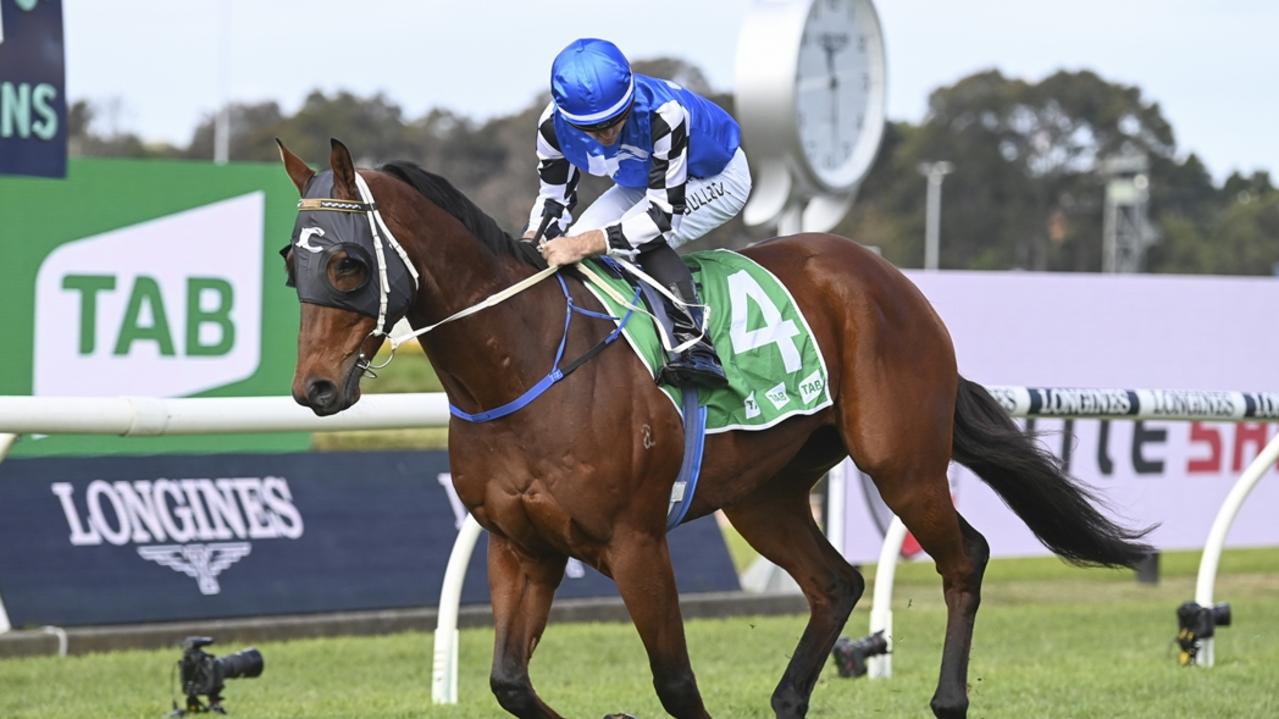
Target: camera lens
(851, 655)
(247, 663)
(1221, 615)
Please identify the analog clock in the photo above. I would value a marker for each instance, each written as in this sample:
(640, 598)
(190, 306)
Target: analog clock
(811, 78)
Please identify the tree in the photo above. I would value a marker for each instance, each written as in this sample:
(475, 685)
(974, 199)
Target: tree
(87, 138)
(1025, 191)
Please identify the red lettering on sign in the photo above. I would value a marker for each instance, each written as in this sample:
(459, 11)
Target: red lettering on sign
(1249, 433)
(1210, 435)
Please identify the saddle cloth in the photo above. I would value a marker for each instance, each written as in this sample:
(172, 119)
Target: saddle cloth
(774, 366)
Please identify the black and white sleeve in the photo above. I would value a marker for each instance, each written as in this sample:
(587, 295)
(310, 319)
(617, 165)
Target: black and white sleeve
(557, 179)
(663, 205)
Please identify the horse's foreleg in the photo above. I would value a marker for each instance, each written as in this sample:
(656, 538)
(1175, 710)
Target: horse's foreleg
(781, 528)
(641, 566)
(521, 587)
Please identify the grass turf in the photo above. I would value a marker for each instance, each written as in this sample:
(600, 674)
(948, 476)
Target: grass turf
(1051, 641)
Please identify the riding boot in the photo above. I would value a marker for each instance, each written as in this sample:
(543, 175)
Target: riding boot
(697, 364)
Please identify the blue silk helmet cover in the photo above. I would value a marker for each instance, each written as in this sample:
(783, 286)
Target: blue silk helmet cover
(591, 82)
(319, 235)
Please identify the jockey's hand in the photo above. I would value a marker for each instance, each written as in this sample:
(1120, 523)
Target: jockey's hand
(569, 249)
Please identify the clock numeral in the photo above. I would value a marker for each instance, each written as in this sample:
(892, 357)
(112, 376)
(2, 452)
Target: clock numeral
(861, 44)
(865, 80)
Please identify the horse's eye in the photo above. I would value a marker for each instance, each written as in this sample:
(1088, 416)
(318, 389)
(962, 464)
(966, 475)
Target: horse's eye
(347, 273)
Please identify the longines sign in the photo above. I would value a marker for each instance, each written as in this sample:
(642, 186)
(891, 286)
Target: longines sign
(140, 539)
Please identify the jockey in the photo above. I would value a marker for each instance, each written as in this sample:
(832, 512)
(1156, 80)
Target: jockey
(678, 172)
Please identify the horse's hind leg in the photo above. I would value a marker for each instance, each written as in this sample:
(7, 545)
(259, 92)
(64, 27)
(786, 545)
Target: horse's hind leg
(898, 424)
(522, 587)
(640, 564)
(780, 526)
(923, 503)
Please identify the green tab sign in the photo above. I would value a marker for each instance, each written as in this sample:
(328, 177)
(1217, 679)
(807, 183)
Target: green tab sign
(149, 278)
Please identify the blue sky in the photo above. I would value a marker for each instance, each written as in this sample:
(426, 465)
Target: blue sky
(155, 64)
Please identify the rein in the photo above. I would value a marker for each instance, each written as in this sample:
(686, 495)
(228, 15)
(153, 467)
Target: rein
(382, 235)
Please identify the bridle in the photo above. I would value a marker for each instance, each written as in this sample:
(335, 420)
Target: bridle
(382, 236)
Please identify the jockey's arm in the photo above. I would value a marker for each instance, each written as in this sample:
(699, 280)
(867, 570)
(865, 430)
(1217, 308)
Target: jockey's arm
(659, 212)
(557, 181)
(653, 216)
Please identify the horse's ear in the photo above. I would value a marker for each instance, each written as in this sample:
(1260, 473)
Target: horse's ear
(297, 169)
(343, 171)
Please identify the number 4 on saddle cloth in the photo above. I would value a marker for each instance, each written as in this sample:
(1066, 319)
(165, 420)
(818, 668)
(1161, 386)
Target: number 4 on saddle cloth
(775, 369)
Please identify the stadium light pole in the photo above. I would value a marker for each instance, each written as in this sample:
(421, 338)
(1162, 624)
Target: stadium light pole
(935, 172)
(222, 120)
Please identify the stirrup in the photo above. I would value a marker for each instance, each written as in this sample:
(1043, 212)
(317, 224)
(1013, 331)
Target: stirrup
(697, 365)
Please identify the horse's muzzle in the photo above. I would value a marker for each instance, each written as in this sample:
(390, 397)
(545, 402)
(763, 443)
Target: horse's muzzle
(324, 397)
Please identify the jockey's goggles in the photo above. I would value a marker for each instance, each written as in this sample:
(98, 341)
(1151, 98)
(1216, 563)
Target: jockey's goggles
(607, 124)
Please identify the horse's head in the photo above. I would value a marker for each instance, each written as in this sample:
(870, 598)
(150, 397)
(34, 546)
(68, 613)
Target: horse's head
(351, 281)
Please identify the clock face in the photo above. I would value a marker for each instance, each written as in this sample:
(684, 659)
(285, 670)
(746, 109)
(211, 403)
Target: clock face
(836, 79)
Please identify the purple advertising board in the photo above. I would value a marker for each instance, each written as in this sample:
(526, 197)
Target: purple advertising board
(1132, 331)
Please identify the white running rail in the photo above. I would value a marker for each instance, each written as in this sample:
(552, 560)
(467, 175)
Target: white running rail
(1119, 404)
(151, 416)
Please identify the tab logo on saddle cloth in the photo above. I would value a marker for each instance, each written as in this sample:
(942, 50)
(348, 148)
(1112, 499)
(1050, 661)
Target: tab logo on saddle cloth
(774, 367)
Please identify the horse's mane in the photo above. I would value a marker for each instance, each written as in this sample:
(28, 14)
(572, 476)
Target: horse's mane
(451, 200)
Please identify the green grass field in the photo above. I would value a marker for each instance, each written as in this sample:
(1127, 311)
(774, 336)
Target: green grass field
(1051, 641)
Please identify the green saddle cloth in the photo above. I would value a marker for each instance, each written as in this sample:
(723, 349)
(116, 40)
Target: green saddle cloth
(774, 366)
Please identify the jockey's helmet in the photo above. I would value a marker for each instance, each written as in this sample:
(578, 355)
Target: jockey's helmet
(591, 83)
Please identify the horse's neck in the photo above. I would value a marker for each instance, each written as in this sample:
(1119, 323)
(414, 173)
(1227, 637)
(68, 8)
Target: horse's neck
(487, 358)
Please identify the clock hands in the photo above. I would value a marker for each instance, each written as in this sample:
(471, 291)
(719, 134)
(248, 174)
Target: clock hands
(832, 43)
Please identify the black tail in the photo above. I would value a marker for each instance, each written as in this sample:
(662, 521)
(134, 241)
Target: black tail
(1030, 480)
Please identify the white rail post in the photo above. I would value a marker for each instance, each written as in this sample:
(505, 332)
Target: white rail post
(7, 440)
(881, 610)
(1217, 538)
(836, 496)
(444, 667)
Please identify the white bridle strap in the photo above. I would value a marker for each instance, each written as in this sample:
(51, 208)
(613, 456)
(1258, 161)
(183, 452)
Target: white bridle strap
(537, 277)
(488, 302)
(380, 230)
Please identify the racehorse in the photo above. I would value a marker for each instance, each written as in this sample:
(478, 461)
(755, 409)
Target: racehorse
(586, 471)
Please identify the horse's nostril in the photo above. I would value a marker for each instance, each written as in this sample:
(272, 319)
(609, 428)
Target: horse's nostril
(321, 392)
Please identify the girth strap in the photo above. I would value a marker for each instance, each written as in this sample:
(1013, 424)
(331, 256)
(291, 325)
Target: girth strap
(691, 468)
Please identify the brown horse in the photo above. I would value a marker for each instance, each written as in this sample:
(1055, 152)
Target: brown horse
(573, 474)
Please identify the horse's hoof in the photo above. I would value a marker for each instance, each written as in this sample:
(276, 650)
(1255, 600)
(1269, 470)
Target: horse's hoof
(618, 716)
